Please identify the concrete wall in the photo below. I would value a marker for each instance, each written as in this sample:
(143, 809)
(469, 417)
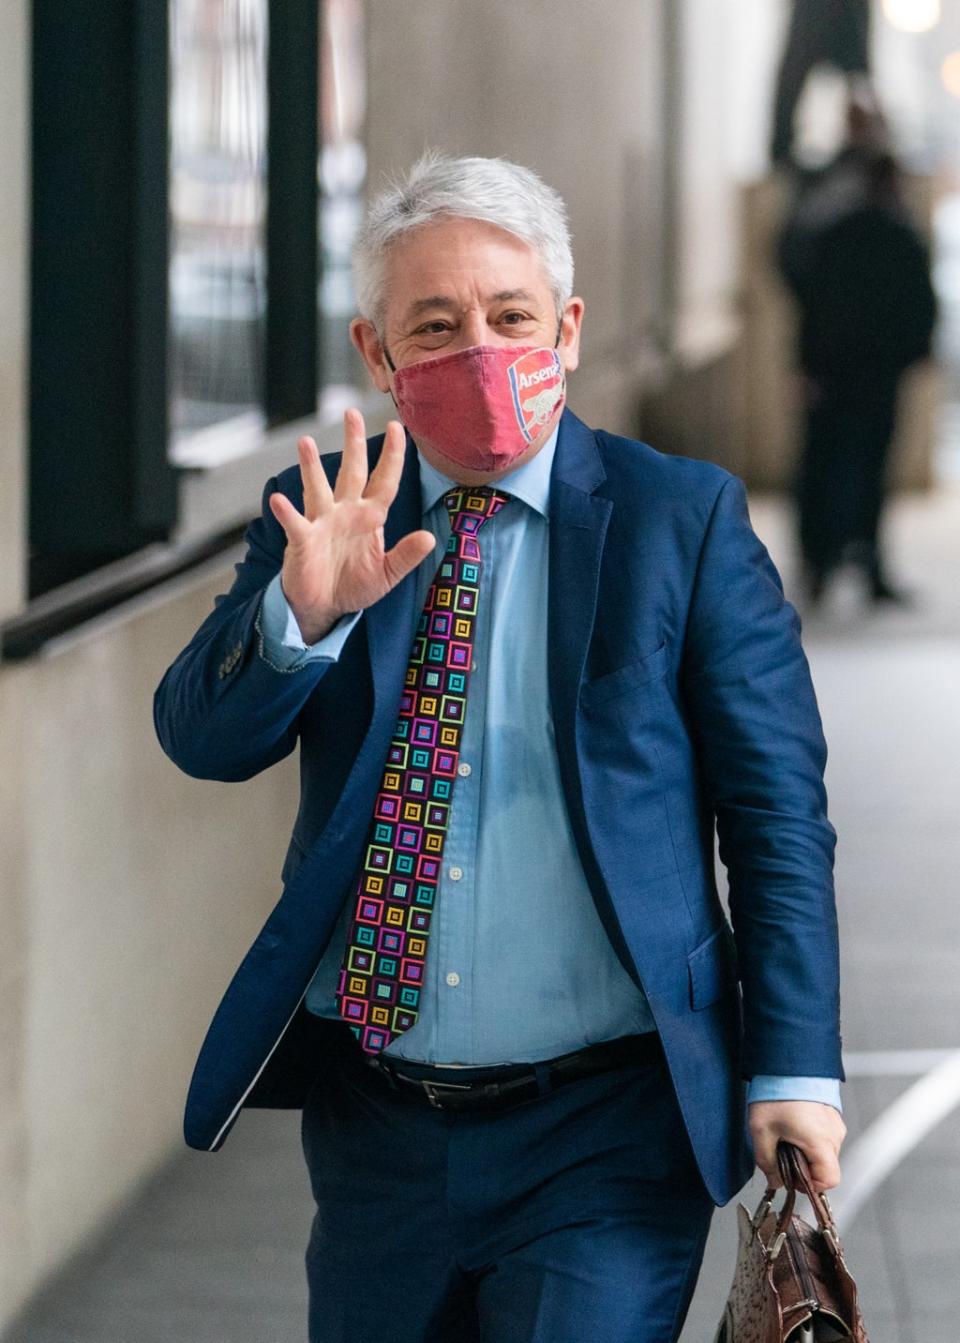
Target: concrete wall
(574, 97)
(13, 283)
(706, 216)
(14, 205)
(130, 894)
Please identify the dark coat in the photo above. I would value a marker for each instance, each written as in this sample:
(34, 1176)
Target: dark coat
(862, 284)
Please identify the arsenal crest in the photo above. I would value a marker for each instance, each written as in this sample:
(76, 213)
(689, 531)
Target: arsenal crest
(537, 388)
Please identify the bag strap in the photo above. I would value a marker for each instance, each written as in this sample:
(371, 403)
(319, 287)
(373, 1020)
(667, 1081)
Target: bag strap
(795, 1173)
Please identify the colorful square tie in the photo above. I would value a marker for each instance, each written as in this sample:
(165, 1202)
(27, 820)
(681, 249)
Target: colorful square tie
(383, 966)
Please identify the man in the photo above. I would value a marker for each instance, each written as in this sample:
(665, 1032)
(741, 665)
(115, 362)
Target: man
(860, 273)
(528, 665)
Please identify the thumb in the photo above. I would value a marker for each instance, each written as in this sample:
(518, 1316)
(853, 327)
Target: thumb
(765, 1155)
(409, 551)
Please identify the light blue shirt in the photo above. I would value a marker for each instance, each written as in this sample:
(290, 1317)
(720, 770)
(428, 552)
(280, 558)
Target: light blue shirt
(555, 983)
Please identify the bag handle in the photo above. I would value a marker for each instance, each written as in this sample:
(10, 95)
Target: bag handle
(796, 1177)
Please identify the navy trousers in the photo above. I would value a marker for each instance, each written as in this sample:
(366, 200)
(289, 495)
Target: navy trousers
(577, 1216)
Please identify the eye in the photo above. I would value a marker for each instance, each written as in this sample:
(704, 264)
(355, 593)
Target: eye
(436, 328)
(515, 318)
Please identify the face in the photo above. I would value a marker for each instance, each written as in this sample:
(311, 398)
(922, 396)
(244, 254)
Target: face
(455, 283)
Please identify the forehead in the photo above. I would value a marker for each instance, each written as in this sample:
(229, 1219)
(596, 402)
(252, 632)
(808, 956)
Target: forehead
(463, 260)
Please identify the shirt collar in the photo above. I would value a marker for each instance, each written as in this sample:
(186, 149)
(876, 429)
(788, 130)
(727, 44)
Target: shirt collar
(529, 483)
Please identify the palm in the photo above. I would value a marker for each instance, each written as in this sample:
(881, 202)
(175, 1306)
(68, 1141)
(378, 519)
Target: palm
(335, 559)
(349, 563)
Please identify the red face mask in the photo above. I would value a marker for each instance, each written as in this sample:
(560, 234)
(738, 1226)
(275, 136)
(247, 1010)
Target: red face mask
(481, 407)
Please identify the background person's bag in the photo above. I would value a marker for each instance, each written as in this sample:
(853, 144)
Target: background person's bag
(791, 1284)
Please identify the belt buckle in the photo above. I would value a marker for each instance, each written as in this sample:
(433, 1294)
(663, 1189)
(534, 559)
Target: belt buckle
(435, 1091)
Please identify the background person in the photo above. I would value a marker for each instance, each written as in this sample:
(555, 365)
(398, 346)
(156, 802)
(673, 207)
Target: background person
(860, 273)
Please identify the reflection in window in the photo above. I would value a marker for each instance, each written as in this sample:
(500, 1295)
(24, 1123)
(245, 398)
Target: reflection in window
(218, 118)
(342, 171)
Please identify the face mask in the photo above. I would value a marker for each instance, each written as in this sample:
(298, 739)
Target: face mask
(481, 407)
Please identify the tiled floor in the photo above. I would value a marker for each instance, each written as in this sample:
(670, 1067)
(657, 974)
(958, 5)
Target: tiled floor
(211, 1252)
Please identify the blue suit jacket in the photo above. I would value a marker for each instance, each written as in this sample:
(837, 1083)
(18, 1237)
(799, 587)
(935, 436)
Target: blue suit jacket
(681, 700)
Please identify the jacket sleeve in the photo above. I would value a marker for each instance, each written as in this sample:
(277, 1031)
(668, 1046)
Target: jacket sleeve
(762, 756)
(223, 710)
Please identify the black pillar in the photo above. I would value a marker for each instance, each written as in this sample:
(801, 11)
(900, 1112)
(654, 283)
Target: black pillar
(100, 482)
(292, 210)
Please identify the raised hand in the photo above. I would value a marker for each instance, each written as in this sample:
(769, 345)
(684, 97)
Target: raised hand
(334, 561)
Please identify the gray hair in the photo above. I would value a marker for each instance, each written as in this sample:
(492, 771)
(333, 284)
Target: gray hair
(493, 190)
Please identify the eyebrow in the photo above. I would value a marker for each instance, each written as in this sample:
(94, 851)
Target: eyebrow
(447, 304)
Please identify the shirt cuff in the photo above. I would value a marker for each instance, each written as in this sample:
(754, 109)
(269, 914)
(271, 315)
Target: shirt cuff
(768, 1088)
(282, 643)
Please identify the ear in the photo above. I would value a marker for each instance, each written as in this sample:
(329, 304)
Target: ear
(364, 336)
(569, 347)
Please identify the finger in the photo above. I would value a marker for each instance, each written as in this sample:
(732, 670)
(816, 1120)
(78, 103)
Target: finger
(771, 1174)
(407, 554)
(293, 523)
(765, 1155)
(317, 494)
(824, 1166)
(352, 476)
(385, 476)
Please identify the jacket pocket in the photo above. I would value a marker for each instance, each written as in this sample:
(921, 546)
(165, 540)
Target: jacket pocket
(712, 968)
(624, 679)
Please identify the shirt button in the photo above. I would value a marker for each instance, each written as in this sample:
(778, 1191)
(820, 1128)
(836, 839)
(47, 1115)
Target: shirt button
(464, 770)
(473, 665)
(453, 979)
(455, 873)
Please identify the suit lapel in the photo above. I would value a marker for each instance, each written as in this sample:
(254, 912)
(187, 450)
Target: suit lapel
(578, 527)
(390, 621)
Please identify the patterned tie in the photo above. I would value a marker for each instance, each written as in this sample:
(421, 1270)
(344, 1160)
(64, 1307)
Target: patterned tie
(383, 966)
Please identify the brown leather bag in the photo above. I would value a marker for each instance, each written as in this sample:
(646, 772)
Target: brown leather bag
(791, 1284)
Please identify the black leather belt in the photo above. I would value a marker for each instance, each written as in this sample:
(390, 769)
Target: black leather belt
(511, 1084)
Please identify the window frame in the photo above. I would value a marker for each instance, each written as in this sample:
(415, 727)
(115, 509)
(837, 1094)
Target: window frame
(109, 482)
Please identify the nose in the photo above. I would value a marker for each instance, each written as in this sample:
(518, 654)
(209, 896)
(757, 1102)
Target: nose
(474, 329)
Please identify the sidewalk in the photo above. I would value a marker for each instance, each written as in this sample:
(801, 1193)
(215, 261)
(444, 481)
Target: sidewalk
(212, 1250)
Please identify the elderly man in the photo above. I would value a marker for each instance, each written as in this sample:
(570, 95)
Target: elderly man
(529, 665)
